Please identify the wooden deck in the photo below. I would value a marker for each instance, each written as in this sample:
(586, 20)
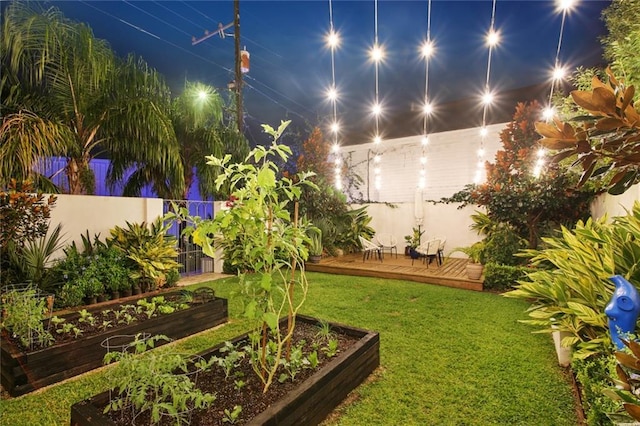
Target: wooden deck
(451, 273)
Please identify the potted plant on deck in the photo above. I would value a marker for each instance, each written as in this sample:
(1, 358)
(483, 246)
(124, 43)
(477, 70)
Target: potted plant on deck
(476, 255)
(413, 241)
(315, 245)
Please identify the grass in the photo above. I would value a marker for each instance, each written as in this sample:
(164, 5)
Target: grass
(448, 356)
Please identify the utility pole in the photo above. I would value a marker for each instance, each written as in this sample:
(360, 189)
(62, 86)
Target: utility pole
(238, 58)
(236, 31)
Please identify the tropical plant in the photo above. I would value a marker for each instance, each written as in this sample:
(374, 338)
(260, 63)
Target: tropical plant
(622, 41)
(475, 252)
(65, 93)
(605, 142)
(272, 243)
(30, 262)
(349, 226)
(152, 252)
(531, 201)
(570, 288)
(315, 244)
(413, 239)
(627, 383)
(196, 117)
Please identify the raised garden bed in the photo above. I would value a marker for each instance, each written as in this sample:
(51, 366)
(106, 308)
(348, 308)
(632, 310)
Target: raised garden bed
(307, 402)
(24, 371)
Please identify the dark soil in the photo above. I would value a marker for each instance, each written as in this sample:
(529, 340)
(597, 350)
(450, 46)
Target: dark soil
(250, 396)
(100, 321)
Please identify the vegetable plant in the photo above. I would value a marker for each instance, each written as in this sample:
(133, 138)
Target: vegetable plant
(272, 244)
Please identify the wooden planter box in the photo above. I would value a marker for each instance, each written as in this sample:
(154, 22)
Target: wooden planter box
(308, 404)
(25, 372)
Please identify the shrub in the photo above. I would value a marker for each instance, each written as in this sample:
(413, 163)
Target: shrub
(502, 244)
(594, 377)
(502, 277)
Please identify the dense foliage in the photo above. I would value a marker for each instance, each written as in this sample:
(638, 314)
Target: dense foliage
(570, 287)
(606, 141)
(512, 194)
(326, 207)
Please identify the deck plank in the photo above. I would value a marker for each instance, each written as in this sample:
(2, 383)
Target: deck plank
(450, 274)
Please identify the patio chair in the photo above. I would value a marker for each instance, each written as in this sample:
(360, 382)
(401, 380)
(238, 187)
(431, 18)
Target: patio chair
(387, 242)
(369, 247)
(443, 240)
(429, 251)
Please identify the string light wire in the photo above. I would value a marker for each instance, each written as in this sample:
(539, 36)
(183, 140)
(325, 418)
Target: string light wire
(333, 44)
(492, 40)
(427, 50)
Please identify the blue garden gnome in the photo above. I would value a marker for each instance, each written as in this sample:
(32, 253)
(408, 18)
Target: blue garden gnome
(622, 310)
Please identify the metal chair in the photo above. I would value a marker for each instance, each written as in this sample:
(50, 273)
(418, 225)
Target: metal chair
(369, 247)
(387, 242)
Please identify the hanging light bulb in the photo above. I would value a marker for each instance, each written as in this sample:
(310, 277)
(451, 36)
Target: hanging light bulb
(377, 141)
(377, 53)
(335, 148)
(548, 113)
(333, 39)
(425, 140)
(427, 109)
(332, 94)
(480, 152)
(487, 98)
(559, 73)
(493, 38)
(483, 131)
(376, 159)
(376, 109)
(335, 127)
(427, 49)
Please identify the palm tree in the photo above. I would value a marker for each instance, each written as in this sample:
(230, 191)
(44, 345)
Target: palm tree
(197, 119)
(69, 95)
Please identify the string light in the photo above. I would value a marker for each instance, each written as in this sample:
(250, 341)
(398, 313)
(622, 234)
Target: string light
(558, 73)
(492, 40)
(333, 41)
(377, 54)
(428, 50)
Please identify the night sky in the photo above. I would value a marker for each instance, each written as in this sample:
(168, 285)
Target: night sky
(291, 65)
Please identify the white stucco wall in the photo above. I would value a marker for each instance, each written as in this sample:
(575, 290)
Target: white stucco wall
(452, 162)
(440, 220)
(79, 213)
(615, 205)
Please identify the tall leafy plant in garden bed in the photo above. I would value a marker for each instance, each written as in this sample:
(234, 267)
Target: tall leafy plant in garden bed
(268, 243)
(570, 288)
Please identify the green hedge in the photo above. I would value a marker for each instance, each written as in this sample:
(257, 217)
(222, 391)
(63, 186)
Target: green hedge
(502, 277)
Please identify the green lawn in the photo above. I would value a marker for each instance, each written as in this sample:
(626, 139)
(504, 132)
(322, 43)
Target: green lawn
(447, 357)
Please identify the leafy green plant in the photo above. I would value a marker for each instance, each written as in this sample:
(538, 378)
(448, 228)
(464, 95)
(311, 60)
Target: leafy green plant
(152, 251)
(502, 277)
(605, 141)
(475, 251)
(315, 244)
(595, 377)
(30, 261)
(570, 287)
(151, 383)
(232, 416)
(259, 228)
(23, 311)
(413, 239)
